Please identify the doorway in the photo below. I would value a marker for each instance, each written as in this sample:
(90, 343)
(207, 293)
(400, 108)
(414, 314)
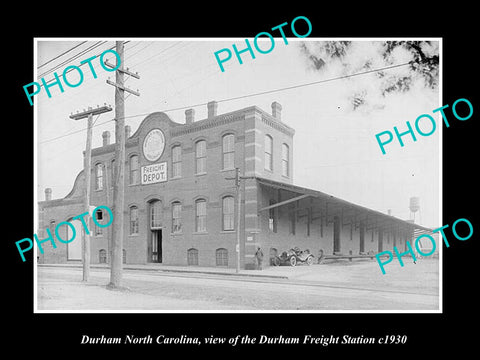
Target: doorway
(156, 246)
(336, 234)
(362, 237)
(380, 240)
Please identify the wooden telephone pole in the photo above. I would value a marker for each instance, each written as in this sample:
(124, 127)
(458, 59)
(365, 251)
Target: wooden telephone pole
(116, 267)
(87, 172)
(237, 179)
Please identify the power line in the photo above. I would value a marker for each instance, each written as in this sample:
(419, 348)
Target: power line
(71, 58)
(56, 57)
(249, 95)
(76, 57)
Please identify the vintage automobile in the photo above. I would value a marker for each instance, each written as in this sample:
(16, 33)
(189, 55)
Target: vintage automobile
(293, 257)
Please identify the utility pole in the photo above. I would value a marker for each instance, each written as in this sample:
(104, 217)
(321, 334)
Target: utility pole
(87, 172)
(237, 179)
(116, 267)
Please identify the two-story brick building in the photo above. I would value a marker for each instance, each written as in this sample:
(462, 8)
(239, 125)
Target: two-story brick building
(180, 199)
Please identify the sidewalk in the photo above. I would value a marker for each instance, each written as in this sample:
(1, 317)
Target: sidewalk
(183, 269)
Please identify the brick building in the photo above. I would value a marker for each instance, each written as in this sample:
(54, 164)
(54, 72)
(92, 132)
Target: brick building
(180, 208)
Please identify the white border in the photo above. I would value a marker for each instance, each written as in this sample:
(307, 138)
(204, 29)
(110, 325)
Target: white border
(35, 179)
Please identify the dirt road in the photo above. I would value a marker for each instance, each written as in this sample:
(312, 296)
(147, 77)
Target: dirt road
(62, 289)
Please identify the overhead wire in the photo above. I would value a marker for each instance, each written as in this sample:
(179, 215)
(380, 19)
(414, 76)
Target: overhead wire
(76, 57)
(251, 95)
(56, 57)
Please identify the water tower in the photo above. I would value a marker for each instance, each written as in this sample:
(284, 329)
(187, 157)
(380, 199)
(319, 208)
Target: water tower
(414, 206)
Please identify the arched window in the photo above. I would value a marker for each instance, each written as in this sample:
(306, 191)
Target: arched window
(201, 215)
(133, 220)
(221, 257)
(99, 176)
(268, 153)
(200, 157)
(228, 149)
(228, 213)
(192, 256)
(102, 256)
(134, 170)
(156, 214)
(177, 161)
(285, 162)
(176, 217)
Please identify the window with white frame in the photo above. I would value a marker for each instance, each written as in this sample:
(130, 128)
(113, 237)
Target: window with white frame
(156, 214)
(200, 157)
(133, 220)
(201, 215)
(285, 162)
(134, 170)
(228, 149)
(221, 257)
(268, 152)
(228, 210)
(176, 217)
(99, 176)
(177, 161)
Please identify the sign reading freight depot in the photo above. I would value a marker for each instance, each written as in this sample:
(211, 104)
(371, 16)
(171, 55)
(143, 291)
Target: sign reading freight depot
(154, 173)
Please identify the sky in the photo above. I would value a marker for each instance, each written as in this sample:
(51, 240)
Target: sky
(334, 146)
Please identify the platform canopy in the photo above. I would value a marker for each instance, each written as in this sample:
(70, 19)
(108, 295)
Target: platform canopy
(328, 205)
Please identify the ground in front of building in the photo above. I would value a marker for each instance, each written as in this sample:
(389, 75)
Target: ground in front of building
(337, 285)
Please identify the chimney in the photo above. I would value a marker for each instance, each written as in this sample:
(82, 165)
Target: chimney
(48, 194)
(389, 212)
(189, 116)
(277, 111)
(212, 109)
(127, 131)
(106, 138)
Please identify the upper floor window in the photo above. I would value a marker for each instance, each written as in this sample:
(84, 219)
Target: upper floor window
(176, 217)
(268, 152)
(133, 220)
(285, 162)
(176, 161)
(200, 157)
(134, 170)
(228, 213)
(99, 176)
(228, 149)
(201, 215)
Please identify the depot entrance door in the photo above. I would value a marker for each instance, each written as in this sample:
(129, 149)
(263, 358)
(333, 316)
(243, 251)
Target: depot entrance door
(154, 244)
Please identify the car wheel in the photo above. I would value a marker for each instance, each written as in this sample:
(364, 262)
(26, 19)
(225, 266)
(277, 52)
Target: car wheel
(276, 261)
(293, 260)
(310, 260)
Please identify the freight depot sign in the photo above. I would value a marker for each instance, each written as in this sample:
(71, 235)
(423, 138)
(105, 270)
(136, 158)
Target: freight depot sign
(154, 173)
